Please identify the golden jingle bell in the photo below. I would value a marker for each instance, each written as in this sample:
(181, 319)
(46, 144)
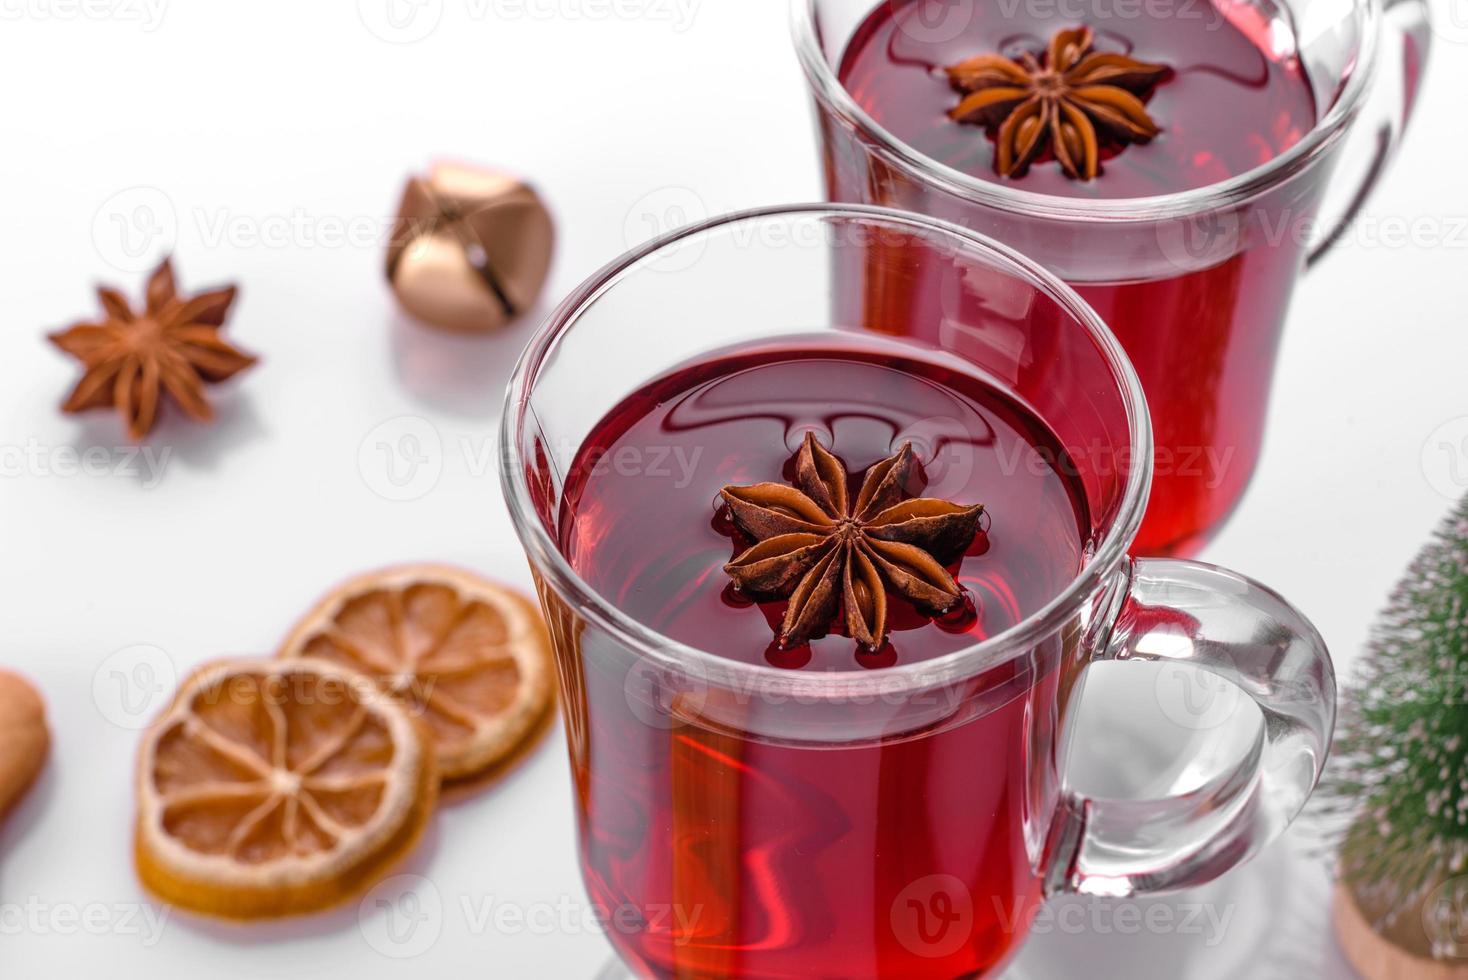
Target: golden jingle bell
(470, 249)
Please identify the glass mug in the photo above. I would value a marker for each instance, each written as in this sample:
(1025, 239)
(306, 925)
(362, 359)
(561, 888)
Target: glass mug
(1195, 284)
(738, 820)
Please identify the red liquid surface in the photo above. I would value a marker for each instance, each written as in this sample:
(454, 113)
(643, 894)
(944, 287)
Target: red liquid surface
(1228, 107)
(739, 420)
(916, 853)
(1204, 340)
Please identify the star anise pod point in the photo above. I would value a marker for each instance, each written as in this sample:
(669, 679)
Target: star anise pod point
(1068, 102)
(170, 347)
(826, 551)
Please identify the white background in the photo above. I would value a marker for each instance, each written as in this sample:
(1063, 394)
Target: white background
(249, 136)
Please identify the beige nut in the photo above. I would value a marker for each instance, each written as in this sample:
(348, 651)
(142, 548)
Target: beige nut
(470, 249)
(24, 739)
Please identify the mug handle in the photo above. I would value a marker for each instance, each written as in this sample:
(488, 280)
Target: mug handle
(1406, 41)
(1217, 620)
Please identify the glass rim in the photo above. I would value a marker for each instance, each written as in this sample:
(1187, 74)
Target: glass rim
(832, 94)
(550, 564)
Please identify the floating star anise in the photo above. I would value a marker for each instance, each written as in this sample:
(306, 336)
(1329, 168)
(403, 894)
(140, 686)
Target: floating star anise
(172, 346)
(826, 551)
(1057, 103)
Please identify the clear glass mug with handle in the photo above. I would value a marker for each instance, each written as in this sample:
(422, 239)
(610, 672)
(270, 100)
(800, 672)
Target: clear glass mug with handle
(1196, 284)
(740, 820)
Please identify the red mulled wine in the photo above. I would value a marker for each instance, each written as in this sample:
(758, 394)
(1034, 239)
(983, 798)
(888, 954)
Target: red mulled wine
(1228, 104)
(652, 471)
(729, 850)
(1202, 334)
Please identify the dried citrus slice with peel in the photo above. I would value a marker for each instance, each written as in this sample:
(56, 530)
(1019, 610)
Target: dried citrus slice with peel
(470, 658)
(271, 788)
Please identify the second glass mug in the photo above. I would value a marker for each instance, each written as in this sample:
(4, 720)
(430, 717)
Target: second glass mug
(737, 820)
(1196, 284)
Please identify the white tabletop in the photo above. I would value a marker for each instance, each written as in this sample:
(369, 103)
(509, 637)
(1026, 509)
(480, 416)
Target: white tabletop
(267, 142)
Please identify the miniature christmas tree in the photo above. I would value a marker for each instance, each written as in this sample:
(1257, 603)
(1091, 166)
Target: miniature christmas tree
(1400, 775)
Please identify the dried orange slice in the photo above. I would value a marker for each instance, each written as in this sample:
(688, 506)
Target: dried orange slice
(272, 788)
(470, 658)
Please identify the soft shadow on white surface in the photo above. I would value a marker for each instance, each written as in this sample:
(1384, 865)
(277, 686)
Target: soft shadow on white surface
(464, 374)
(1266, 921)
(26, 816)
(613, 970)
(195, 445)
(344, 918)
